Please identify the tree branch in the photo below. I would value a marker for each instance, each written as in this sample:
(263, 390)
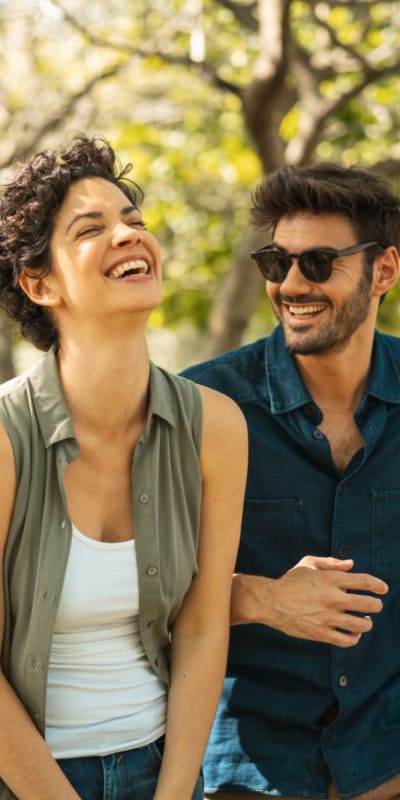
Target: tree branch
(23, 149)
(168, 58)
(318, 109)
(243, 14)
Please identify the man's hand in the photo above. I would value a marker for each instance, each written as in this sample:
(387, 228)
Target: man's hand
(312, 601)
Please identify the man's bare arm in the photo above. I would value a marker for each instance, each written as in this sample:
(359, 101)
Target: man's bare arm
(316, 599)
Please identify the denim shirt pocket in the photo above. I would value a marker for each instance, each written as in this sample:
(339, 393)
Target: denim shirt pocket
(386, 533)
(272, 538)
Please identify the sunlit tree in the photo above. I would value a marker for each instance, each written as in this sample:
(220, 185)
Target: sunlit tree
(204, 97)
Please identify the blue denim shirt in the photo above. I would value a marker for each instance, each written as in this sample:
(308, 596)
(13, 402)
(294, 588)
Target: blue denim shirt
(271, 733)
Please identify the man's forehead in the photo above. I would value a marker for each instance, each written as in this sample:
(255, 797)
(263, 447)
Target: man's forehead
(313, 230)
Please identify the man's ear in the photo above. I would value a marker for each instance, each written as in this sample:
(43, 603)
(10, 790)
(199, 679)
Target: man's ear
(386, 271)
(38, 290)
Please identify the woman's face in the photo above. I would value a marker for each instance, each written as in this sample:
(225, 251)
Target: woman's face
(103, 260)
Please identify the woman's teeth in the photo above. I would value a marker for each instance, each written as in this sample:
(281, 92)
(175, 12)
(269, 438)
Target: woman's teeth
(137, 267)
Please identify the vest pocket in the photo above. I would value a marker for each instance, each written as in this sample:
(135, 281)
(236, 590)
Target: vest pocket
(386, 533)
(272, 538)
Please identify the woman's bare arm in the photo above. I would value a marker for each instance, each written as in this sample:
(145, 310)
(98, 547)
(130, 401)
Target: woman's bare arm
(200, 634)
(26, 765)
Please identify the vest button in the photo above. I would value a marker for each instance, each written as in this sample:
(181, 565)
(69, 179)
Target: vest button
(144, 498)
(343, 550)
(152, 570)
(47, 597)
(343, 681)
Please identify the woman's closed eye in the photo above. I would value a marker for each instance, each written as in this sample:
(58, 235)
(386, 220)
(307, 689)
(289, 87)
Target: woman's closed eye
(93, 229)
(137, 223)
(89, 229)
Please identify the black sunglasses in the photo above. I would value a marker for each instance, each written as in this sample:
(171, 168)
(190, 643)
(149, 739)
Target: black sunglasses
(315, 263)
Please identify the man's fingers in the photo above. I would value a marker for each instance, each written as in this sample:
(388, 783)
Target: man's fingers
(325, 562)
(354, 625)
(364, 604)
(357, 581)
(342, 639)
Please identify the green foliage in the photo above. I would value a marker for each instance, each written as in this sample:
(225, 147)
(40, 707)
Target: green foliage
(184, 133)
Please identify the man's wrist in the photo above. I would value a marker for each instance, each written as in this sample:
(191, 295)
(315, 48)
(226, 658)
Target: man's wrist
(251, 599)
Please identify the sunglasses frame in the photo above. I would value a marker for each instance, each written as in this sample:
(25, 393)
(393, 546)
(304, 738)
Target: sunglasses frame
(287, 259)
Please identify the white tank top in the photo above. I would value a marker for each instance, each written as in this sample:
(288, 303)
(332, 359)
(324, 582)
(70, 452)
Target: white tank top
(102, 694)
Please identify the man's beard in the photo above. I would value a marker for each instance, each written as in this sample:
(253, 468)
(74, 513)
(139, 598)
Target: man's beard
(335, 333)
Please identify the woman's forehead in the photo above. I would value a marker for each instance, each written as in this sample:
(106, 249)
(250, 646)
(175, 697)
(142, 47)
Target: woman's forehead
(91, 194)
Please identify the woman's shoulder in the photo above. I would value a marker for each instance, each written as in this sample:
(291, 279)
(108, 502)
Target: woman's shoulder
(213, 406)
(175, 389)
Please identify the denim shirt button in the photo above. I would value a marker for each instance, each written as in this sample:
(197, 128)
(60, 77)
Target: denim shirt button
(317, 434)
(343, 681)
(310, 409)
(342, 550)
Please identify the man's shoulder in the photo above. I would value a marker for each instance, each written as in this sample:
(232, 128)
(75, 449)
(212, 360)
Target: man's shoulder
(390, 342)
(235, 373)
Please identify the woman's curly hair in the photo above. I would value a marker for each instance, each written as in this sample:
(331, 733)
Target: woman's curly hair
(28, 206)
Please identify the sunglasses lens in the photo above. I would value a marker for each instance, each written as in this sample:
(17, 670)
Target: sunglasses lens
(316, 265)
(273, 265)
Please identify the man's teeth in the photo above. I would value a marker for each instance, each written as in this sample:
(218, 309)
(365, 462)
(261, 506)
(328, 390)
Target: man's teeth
(138, 267)
(303, 310)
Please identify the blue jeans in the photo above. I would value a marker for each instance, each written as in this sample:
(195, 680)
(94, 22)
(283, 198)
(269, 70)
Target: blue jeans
(130, 775)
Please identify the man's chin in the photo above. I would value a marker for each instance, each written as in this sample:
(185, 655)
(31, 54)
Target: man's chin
(310, 347)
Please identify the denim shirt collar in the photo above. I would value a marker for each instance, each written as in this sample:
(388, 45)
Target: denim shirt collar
(53, 413)
(285, 390)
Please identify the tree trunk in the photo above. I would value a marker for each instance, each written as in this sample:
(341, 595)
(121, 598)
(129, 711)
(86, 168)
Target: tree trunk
(238, 296)
(7, 368)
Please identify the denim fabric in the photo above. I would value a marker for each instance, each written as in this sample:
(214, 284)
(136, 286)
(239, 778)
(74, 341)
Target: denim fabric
(272, 732)
(130, 775)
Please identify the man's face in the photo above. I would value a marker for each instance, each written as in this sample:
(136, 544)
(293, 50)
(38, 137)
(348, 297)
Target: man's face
(320, 317)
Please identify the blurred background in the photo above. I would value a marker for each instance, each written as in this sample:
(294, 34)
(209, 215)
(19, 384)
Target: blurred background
(203, 97)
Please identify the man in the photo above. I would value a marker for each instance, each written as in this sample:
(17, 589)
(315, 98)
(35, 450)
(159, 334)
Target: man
(311, 701)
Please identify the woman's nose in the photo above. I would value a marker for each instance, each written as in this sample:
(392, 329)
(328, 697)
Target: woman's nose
(126, 234)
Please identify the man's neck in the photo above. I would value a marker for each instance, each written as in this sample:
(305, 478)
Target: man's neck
(336, 381)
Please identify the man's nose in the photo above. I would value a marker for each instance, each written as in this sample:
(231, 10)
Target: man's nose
(295, 282)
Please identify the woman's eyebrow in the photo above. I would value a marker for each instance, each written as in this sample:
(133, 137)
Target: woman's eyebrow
(97, 215)
(85, 215)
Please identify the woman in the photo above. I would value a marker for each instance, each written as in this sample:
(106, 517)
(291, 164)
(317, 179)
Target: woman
(120, 504)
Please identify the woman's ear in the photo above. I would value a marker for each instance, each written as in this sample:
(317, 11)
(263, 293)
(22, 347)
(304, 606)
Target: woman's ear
(38, 290)
(386, 271)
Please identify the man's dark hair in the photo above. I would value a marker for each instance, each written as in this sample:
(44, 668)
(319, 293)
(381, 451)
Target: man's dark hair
(363, 196)
(28, 206)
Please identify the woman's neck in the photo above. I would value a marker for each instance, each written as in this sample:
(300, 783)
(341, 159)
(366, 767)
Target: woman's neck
(105, 381)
